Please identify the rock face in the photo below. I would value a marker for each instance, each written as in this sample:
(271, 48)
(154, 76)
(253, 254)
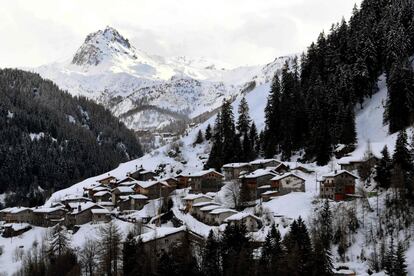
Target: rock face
(101, 44)
(149, 92)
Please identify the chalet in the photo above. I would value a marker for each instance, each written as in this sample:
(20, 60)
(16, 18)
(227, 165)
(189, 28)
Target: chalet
(146, 175)
(196, 209)
(152, 189)
(235, 170)
(217, 216)
(82, 214)
(171, 181)
(204, 211)
(136, 173)
(206, 181)
(183, 180)
(108, 180)
(107, 205)
(15, 229)
(87, 190)
(100, 215)
(17, 215)
(132, 202)
(74, 198)
(303, 169)
(48, 216)
(264, 163)
(338, 185)
(102, 196)
(268, 195)
(280, 169)
(288, 182)
(192, 199)
(350, 163)
(121, 191)
(251, 222)
(252, 182)
(166, 239)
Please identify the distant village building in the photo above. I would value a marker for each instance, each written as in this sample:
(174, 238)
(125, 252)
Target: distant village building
(206, 181)
(166, 239)
(108, 180)
(17, 215)
(132, 202)
(217, 216)
(256, 183)
(121, 191)
(15, 229)
(235, 170)
(152, 189)
(82, 214)
(280, 169)
(74, 198)
(102, 196)
(264, 163)
(352, 163)
(100, 215)
(205, 211)
(338, 185)
(183, 180)
(288, 182)
(192, 199)
(196, 209)
(48, 216)
(251, 222)
(171, 181)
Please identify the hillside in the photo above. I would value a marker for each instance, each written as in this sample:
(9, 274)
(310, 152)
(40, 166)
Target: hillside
(50, 140)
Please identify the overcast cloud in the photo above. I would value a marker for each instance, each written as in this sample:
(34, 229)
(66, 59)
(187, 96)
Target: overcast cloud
(238, 32)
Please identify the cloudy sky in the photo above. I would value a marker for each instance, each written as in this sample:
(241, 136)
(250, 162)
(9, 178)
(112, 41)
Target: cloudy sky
(238, 32)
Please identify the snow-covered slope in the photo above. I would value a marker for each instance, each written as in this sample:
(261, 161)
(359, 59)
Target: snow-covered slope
(147, 90)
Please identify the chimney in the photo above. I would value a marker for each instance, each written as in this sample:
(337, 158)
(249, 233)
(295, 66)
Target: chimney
(336, 171)
(79, 208)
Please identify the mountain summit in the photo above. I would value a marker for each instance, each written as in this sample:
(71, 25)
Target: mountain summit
(102, 44)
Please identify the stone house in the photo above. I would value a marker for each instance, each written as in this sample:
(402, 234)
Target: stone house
(288, 182)
(196, 209)
(121, 191)
(82, 214)
(192, 199)
(235, 170)
(132, 202)
(108, 180)
(48, 216)
(217, 216)
(100, 215)
(255, 183)
(102, 196)
(183, 180)
(251, 222)
(205, 210)
(338, 185)
(351, 163)
(17, 215)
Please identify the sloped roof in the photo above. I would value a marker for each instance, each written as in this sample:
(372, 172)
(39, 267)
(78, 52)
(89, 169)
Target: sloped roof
(236, 165)
(258, 173)
(279, 177)
(196, 196)
(263, 161)
(240, 216)
(339, 172)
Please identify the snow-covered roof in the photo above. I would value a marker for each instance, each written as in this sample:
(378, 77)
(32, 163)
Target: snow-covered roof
(202, 173)
(264, 187)
(124, 189)
(202, 204)
(100, 188)
(100, 211)
(258, 173)
(279, 177)
(16, 210)
(240, 216)
(105, 203)
(85, 206)
(75, 198)
(138, 196)
(222, 210)
(351, 159)
(336, 173)
(101, 193)
(269, 192)
(196, 196)
(263, 161)
(210, 207)
(47, 209)
(147, 184)
(160, 232)
(236, 165)
(17, 226)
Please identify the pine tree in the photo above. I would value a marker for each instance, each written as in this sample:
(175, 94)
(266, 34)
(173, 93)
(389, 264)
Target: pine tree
(129, 256)
(254, 140)
(59, 243)
(401, 161)
(211, 265)
(322, 259)
(199, 139)
(271, 133)
(390, 259)
(208, 134)
(325, 218)
(400, 267)
(243, 122)
(272, 253)
(383, 169)
(110, 248)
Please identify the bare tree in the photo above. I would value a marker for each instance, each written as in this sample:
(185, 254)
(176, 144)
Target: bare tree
(110, 248)
(88, 257)
(232, 188)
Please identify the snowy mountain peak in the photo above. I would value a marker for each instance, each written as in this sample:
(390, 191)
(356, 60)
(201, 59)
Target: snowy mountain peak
(103, 44)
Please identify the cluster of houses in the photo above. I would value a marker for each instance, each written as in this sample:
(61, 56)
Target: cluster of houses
(260, 179)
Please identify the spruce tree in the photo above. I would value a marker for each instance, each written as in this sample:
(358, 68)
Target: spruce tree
(211, 264)
(400, 267)
(243, 122)
(208, 134)
(199, 139)
(383, 170)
